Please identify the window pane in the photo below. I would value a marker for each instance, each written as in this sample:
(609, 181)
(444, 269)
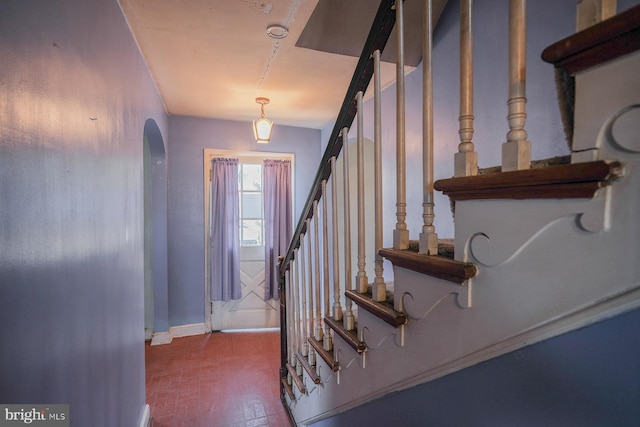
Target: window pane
(252, 177)
(251, 205)
(251, 232)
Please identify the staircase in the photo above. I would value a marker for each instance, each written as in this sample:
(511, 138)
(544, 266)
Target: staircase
(540, 247)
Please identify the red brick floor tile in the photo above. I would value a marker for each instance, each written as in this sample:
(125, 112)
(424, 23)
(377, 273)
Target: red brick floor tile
(218, 380)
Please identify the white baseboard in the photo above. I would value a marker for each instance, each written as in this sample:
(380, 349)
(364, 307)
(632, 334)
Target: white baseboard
(160, 338)
(145, 418)
(187, 330)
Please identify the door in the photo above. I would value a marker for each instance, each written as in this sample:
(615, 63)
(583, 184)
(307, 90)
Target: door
(250, 311)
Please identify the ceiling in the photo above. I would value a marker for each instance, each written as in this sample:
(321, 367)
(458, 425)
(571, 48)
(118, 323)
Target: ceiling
(212, 58)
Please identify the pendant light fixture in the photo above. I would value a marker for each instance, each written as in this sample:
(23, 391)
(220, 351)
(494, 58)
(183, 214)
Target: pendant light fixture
(263, 126)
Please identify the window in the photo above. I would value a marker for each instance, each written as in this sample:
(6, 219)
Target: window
(251, 212)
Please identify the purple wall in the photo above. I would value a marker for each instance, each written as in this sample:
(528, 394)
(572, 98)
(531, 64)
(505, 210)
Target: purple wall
(189, 136)
(74, 98)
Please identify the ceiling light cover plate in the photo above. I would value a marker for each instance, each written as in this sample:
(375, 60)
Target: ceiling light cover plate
(277, 31)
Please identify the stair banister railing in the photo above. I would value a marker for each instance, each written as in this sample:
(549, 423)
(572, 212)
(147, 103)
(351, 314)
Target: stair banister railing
(310, 317)
(377, 39)
(327, 343)
(349, 318)
(293, 293)
(516, 152)
(378, 288)
(466, 159)
(362, 281)
(428, 243)
(401, 233)
(379, 32)
(337, 307)
(317, 282)
(289, 316)
(304, 345)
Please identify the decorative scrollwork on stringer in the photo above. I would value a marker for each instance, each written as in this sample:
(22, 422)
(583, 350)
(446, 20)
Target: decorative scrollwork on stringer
(384, 338)
(344, 366)
(472, 249)
(429, 310)
(626, 120)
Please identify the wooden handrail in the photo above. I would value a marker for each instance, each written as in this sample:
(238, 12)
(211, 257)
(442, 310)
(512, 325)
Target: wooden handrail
(578, 180)
(595, 45)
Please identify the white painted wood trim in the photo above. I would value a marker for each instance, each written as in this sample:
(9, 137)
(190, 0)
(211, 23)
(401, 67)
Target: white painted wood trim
(145, 418)
(585, 316)
(160, 338)
(188, 330)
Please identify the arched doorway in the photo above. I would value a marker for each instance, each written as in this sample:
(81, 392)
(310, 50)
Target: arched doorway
(156, 304)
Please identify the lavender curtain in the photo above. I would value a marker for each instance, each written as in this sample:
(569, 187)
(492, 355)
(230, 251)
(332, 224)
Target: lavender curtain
(225, 231)
(277, 220)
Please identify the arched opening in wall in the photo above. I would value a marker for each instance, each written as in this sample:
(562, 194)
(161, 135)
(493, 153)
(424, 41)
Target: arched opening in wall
(155, 231)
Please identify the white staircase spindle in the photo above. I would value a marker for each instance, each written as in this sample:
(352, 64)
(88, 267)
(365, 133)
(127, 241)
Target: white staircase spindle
(466, 159)
(401, 233)
(428, 243)
(378, 289)
(295, 282)
(337, 307)
(290, 323)
(304, 346)
(327, 343)
(362, 281)
(590, 12)
(318, 308)
(516, 152)
(349, 318)
(310, 318)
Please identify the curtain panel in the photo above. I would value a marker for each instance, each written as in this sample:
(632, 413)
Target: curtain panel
(278, 220)
(225, 231)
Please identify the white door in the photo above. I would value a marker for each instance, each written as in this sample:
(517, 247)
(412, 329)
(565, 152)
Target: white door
(250, 311)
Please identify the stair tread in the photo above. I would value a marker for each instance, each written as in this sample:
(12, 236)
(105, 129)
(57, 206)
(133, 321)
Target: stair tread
(296, 379)
(562, 181)
(350, 337)
(287, 387)
(432, 265)
(445, 247)
(307, 367)
(383, 309)
(326, 355)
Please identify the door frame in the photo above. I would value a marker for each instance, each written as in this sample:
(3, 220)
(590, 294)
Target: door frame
(208, 154)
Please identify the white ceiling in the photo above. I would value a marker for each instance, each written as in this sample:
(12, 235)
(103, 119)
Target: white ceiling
(212, 58)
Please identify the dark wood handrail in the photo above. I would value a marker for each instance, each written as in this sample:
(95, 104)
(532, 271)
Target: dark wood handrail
(607, 40)
(576, 180)
(383, 23)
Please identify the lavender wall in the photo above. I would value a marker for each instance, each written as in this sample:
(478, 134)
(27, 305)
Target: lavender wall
(74, 98)
(189, 136)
